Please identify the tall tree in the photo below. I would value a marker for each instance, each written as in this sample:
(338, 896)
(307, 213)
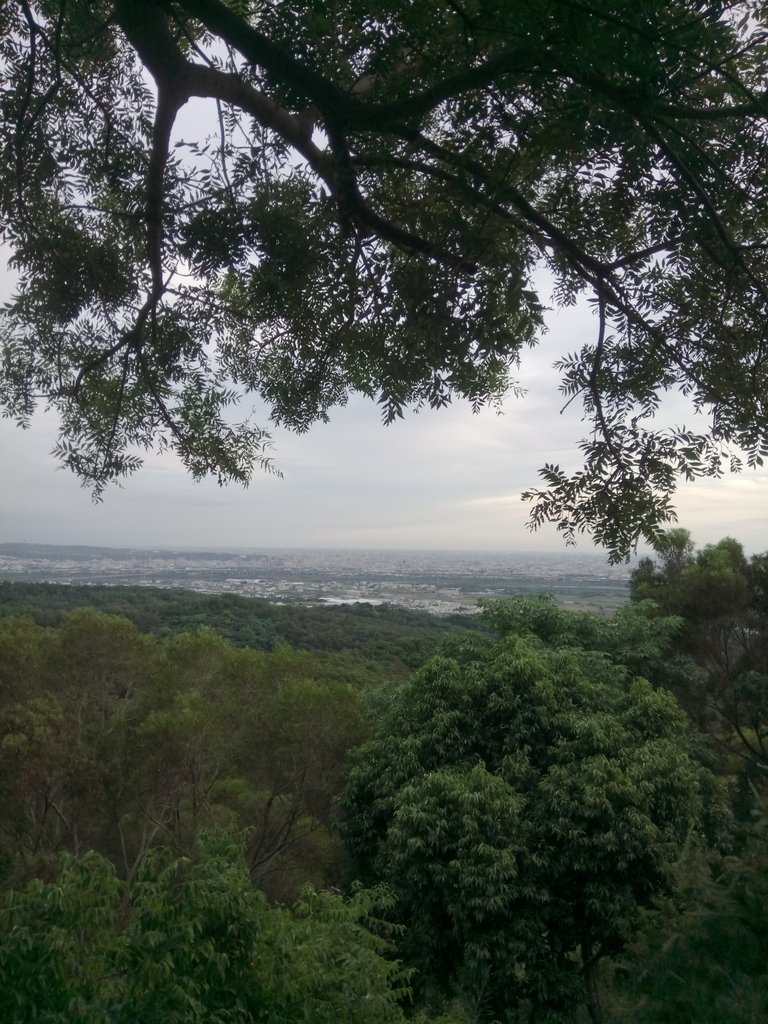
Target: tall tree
(522, 803)
(719, 597)
(377, 186)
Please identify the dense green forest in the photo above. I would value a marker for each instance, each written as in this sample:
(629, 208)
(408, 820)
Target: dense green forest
(553, 817)
(376, 638)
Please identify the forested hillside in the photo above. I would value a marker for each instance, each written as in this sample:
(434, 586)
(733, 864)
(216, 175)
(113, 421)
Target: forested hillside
(558, 817)
(379, 636)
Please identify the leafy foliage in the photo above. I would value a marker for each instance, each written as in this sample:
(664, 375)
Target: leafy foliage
(556, 850)
(115, 742)
(636, 640)
(191, 941)
(722, 648)
(522, 803)
(379, 186)
(359, 643)
(702, 956)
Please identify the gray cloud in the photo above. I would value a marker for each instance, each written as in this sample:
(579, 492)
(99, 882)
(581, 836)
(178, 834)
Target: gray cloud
(435, 480)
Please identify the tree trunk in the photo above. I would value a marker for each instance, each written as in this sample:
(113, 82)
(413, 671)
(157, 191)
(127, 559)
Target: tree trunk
(589, 968)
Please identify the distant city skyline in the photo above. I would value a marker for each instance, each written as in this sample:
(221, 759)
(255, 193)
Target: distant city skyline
(438, 582)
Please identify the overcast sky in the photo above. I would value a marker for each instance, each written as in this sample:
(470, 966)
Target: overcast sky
(442, 480)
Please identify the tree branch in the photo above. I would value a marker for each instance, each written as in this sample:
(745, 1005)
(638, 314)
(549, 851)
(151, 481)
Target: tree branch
(593, 385)
(335, 103)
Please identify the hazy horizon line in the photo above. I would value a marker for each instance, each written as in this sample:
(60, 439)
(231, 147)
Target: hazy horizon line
(237, 549)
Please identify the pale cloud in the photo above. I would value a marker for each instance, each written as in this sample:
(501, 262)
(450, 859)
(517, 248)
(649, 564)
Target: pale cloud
(735, 506)
(494, 502)
(351, 482)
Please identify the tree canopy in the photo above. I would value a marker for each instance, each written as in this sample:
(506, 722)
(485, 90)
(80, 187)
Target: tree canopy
(553, 842)
(367, 210)
(522, 803)
(722, 647)
(191, 940)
